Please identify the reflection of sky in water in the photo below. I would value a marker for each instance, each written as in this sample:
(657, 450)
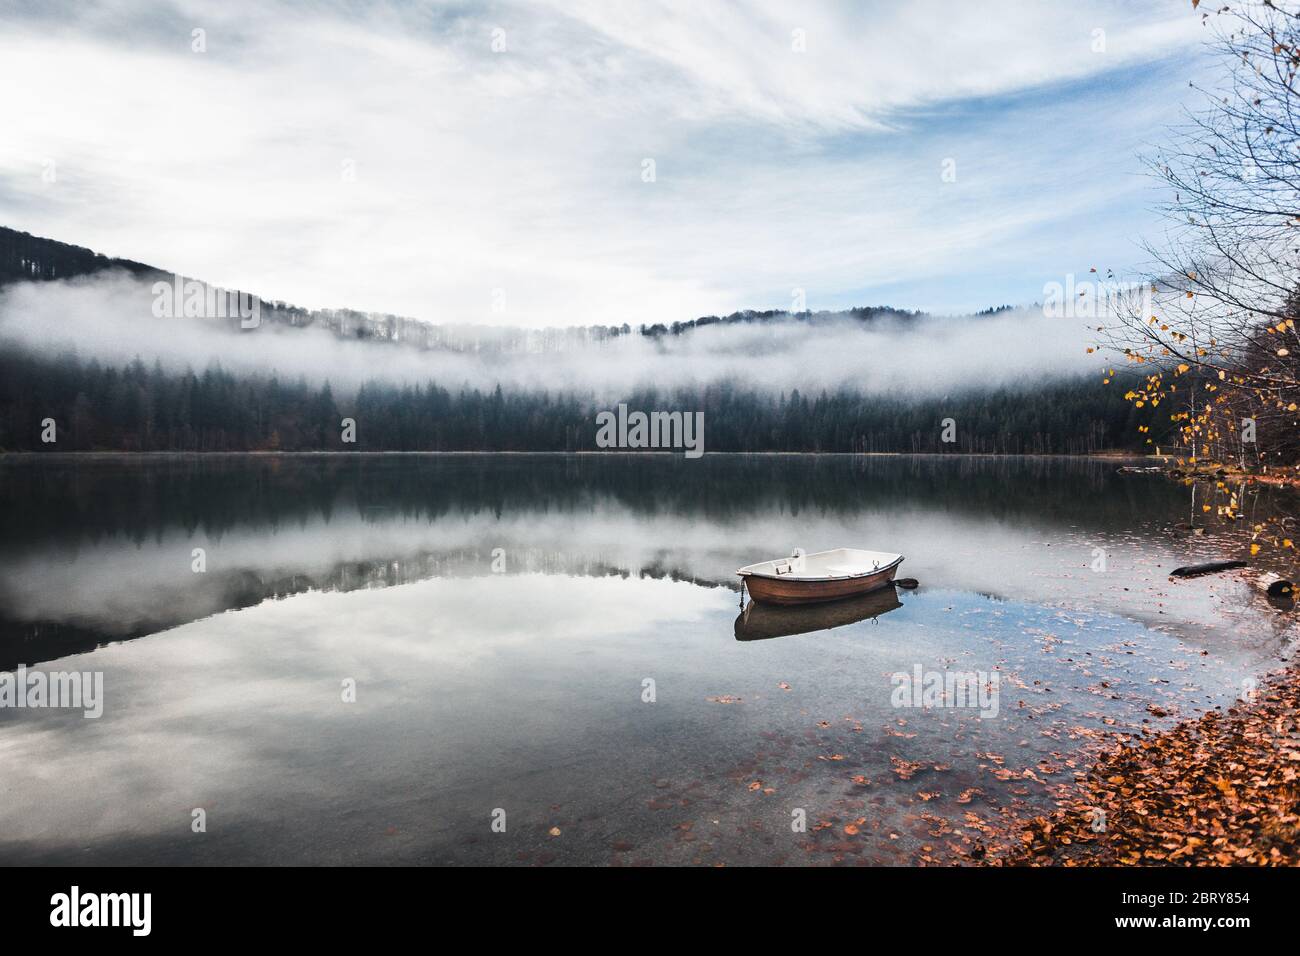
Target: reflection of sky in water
(1042, 558)
(523, 690)
(524, 693)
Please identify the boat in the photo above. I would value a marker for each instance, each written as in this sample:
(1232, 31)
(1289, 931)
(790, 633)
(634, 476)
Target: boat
(821, 576)
(758, 622)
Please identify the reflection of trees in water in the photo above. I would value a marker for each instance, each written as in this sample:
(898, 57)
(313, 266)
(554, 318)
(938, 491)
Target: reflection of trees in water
(34, 641)
(54, 505)
(71, 501)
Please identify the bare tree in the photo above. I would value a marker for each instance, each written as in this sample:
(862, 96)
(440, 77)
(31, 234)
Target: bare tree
(1216, 326)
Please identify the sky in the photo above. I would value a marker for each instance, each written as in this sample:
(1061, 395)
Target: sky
(569, 163)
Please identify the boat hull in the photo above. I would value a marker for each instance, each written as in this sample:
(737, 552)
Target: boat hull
(758, 622)
(768, 590)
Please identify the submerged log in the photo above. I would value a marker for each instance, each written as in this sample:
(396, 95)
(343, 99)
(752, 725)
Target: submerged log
(1210, 567)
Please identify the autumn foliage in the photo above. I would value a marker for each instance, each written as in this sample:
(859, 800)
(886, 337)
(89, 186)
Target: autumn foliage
(1221, 790)
(1214, 330)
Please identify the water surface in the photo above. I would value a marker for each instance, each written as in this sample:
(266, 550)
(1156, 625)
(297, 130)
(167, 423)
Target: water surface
(553, 641)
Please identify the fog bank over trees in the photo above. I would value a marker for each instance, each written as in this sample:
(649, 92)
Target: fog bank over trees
(110, 351)
(109, 317)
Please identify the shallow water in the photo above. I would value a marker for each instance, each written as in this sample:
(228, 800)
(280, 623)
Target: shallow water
(552, 642)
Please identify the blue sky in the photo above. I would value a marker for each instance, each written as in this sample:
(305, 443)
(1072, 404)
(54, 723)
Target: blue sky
(1071, 151)
(485, 163)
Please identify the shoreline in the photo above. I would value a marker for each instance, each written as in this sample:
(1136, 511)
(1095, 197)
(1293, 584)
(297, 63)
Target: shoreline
(1220, 789)
(1115, 456)
(1218, 471)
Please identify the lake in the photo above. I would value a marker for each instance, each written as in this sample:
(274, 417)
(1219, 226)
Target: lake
(543, 659)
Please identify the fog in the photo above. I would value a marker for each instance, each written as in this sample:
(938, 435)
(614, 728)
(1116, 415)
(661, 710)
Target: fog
(109, 317)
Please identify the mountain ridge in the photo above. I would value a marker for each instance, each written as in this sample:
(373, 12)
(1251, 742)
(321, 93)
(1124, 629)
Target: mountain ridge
(25, 257)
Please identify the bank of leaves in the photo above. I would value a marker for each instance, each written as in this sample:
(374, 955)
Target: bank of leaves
(1221, 790)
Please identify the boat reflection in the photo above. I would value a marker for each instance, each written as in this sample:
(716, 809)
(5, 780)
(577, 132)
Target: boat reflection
(758, 622)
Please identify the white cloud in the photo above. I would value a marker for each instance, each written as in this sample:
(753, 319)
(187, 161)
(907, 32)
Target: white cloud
(521, 170)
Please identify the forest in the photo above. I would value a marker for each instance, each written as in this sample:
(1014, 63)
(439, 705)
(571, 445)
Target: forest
(143, 408)
(96, 406)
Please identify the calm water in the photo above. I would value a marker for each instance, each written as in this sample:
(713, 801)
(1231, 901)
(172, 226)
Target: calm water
(505, 618)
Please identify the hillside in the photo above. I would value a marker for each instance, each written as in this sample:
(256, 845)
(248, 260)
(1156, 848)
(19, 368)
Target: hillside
(764, 380)
(24, 257)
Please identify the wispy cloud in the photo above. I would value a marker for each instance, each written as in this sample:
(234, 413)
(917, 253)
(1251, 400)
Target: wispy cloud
(386, 157)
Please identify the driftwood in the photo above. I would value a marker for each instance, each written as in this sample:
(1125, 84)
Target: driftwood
(1194, 570)
(1276, 586)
